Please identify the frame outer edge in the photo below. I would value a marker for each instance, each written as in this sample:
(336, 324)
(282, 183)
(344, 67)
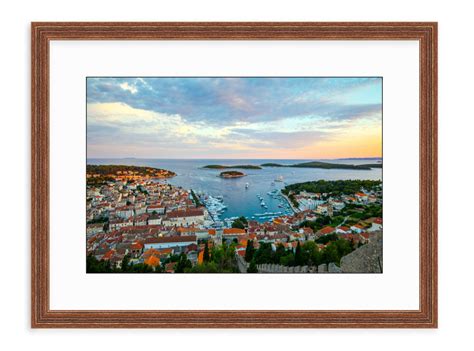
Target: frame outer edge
(43, 32)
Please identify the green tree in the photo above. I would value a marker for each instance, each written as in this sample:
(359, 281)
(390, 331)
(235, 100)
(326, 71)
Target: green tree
(249, 251)
(288, 260)
(279, 253)
(264, 254)
(206, 256)
(252, 267)
(299, 258)
(125, 263)
(183, 263)
(240, 223)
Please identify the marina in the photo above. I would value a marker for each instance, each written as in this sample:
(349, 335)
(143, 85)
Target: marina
(229, 198)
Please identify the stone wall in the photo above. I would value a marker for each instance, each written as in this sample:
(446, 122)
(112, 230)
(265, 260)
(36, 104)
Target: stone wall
(365, 259)
(277, 268)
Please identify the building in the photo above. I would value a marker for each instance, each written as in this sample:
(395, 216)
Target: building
(186, 218)
(361, 197)
(357, 228)
(325, 231)
(376, 225)
(154, 219)
(166, 242)
(124, 212)
(233, 233)
(95, 228)
(159, 209)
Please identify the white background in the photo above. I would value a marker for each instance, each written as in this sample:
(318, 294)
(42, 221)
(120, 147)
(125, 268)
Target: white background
(455, 173)
(72, 61)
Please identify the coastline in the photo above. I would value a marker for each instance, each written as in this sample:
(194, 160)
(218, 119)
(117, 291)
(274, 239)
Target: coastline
(295, 210)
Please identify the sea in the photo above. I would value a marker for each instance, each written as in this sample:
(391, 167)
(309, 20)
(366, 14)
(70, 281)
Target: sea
(242, 199)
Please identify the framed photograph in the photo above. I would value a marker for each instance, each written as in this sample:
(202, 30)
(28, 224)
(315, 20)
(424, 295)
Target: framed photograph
(234, 175)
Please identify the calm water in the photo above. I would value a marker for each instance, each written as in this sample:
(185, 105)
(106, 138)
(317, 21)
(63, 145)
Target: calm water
(239, 200)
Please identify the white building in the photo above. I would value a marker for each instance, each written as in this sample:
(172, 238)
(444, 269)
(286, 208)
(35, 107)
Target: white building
(155, 208)
(184, 217)
(154, 219)
(170, 242)
(124, 212)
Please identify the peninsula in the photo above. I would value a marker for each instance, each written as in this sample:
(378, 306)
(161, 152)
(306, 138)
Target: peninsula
(100, 174)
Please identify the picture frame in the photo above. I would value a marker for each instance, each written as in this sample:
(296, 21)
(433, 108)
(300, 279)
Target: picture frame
(43, 33)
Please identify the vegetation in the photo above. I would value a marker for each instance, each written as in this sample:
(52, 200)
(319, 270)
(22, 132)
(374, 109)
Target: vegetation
(325, 165)
(326, 238)
(123, 169)
(292, 198)
(235, 167)
(249, 251)
(221, 260)
(307, 254)
(356, 213)
(252, 267)
(270, 164)
(95, 266)
(101, 174)
(240, 223)
(101, 219)
(206, 257)
(196, 200)
(335, 187)
(231, 174)
(372, 165)
(183, 264)
(317, 224)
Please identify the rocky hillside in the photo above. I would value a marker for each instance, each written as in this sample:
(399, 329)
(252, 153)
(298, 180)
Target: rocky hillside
(366, 259)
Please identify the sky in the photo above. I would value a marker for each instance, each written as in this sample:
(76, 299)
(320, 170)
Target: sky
(234, 118)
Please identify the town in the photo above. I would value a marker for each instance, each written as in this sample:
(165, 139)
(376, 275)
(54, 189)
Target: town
(138, 223)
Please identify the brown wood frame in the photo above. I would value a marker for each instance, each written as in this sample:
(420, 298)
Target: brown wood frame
(41, 314)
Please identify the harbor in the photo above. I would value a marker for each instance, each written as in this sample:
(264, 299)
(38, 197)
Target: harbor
(228, 199)
(217, 209)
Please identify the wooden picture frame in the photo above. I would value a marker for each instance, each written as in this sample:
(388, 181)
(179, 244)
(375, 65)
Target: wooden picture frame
(41, 314)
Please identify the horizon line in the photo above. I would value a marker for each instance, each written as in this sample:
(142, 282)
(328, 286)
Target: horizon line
(213, 158)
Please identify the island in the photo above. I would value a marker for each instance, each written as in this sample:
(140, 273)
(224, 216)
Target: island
(101, 174)
(234, 167)
(231, 174)
(372, 165)
(324, 165)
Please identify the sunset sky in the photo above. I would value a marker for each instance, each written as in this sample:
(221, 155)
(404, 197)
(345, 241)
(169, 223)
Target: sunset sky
(234, 118)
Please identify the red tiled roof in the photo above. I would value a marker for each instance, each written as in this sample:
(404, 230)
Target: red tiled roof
(326, 230)
(153, 261)
(234, 231)
(186, 213)
(171, 239)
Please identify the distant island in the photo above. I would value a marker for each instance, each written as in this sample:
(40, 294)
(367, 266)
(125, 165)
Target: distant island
(234, 167)
(101, 174)
(325, 165)
(373, 165)
(231, 174)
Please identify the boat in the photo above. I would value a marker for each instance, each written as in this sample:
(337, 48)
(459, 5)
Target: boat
(246, 185)
(274, 192)
(279, 179)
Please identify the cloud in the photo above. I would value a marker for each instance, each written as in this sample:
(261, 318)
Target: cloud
(226, 115)
(131, 88)
(229, 100)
